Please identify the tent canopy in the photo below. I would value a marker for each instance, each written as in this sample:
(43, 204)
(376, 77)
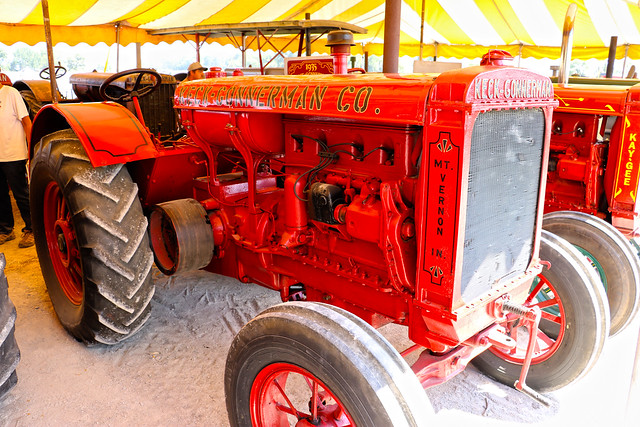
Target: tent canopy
(452, 28)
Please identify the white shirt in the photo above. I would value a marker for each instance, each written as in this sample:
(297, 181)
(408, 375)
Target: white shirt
(13, 140)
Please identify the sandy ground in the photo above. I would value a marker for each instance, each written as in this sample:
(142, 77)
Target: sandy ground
(171, 372)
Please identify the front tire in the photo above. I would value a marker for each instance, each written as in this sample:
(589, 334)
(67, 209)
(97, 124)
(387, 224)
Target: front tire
(573, 328)
(611, 254)
(281, 356)
(91, 239)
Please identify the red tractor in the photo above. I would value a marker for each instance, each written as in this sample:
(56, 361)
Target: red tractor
(593, 177)
(362, 199)
(593, 170)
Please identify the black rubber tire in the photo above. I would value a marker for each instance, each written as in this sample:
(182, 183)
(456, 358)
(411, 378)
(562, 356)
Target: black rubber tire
(9, 352)
(586, 328)
(111, 235)
(32, 103)
(612, 251)
(358, 365)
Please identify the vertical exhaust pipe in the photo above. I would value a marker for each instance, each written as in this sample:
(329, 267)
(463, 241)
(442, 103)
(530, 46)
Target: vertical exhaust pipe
(567, 44)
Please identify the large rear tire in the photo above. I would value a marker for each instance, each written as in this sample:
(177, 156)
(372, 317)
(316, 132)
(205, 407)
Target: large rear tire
(9, 352)
(574, 325)
(91, 239)
(611, 254)
(280, 357)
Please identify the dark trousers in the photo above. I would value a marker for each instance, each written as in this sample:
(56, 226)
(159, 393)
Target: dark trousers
(14, 175)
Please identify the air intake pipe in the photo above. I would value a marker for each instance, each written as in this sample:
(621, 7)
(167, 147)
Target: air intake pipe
(340, 42)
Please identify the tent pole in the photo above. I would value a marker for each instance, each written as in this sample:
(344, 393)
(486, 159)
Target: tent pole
(47, 35)
(138, 55)
(626, 55)
(421, 29)
(391, 52)
(197, 47)
(613, 45)
(244, 50)
(117, 47)
(307, 36)
(519, 53)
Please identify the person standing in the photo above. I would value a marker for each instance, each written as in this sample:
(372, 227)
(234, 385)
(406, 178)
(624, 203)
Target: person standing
(195, 71)
(15, 134)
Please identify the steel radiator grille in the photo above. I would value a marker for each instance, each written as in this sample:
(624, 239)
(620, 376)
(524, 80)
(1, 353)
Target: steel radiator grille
(502, 198)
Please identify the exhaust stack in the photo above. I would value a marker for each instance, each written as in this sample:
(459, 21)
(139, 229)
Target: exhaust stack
(567, 43)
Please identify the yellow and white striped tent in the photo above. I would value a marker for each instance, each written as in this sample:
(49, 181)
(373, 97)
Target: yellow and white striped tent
(452, 28)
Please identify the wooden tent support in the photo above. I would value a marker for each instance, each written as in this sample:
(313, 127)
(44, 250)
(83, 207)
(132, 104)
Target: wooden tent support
(47, 36)
(391, 52)
(613, 46)
(422, 29)
(117, 47)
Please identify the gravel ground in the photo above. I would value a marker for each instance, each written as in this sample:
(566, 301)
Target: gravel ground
(171, 372)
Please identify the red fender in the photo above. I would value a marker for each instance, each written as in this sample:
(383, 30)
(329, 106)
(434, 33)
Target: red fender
(109, 133)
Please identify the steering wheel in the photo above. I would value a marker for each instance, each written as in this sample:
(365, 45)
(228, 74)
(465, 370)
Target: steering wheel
(129, 94)
(60, 71)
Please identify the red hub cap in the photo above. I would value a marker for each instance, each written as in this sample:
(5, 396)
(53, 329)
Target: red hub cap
(287, 395)
(61, 243)
(551, 330)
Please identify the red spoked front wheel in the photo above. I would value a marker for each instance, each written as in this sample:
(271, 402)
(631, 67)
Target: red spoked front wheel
(61, 242)
(573, 328)
(552, 325)
(310, 364)
(284, 394)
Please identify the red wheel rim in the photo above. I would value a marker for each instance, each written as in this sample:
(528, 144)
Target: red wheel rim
(544, 296)
(281, 395)
(61, 243)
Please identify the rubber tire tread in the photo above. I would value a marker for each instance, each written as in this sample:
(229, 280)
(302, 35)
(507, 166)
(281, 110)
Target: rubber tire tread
(586, 328)
(9, 351)
(105, 210)
(613, 251)
(32, 103)
(343, 351)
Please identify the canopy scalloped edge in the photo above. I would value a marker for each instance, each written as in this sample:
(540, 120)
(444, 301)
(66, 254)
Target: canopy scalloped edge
(476, 51)
(92, 35)
(73, 35)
